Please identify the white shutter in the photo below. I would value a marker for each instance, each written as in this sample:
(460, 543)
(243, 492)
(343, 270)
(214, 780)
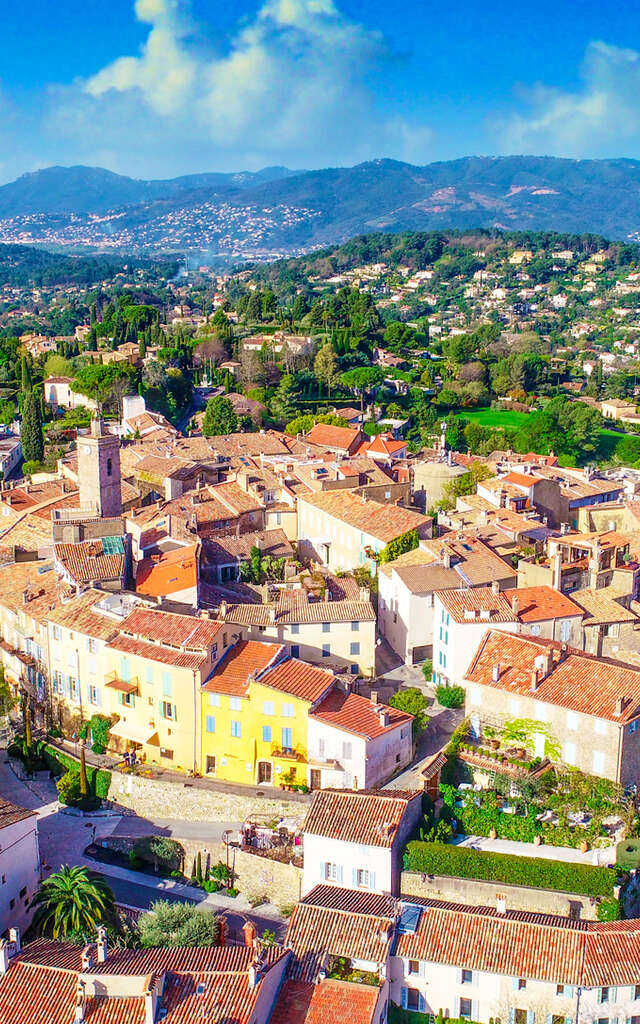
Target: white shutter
(475, 1015)
(422, 969)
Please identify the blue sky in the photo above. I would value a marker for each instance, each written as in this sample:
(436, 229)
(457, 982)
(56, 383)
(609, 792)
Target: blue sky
(156, 88)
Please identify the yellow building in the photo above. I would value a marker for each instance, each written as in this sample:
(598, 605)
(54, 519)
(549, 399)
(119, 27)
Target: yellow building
(255, 711)
(154, 670)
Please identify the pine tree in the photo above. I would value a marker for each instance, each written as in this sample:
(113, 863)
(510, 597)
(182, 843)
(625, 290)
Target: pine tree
(142, 346)
(325, 366)
(282, 403)
(219, 417)
(31, 431)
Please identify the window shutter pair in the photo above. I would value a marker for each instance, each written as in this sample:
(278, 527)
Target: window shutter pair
(404, 998)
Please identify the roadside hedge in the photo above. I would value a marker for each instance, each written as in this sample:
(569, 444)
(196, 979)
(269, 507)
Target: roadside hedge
(463, 862)
(58, 762)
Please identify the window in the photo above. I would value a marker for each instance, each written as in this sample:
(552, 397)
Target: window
(128, 700)
(570, 753)
(109, 467)
(166, 753)
(326, 627)
(522, 984)
(168, 710)
(234, 703)
(636, 992)
(332, 872)
(288, 711)
(266, 734)
(57, 633)
(93, 695)
(92, 646)
(362, 877)
(211, 723)
(413, 999)
(295, 628)
(633, 727)
(466, 977)
(466, 1009)
(326, 650)
(214, 700)
(414, 967)
(236, 729)
(287, 738)
(295, 650)
(354, 670)
(166, 684)
(268, 708)
(355, 626)
(604, 994)
(572, 720)
(354, 648)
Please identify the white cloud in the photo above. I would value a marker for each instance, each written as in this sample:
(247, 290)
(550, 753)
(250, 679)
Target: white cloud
(289, 86)
(601, 117)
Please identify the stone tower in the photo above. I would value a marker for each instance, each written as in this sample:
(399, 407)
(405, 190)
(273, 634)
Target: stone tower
(99, 471)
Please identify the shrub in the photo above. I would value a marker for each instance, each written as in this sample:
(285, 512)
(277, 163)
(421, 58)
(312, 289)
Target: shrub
(58, 762)
(232, 892)
(136, 862)
(427, 670)
(450, 696)
(178, 924)
(221, 872)
(211, 885)
(462, 862)
(161, 852)
(69, 788)
(609, 909)
(414, 702)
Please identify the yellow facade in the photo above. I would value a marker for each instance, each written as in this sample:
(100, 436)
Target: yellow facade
(255, 739)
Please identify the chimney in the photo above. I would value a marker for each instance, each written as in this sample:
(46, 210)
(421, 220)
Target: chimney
(5, 956)
(495, 672)
(363, 594)
(222, 611)
(222, 930)
(87, 958)
(150, 1005)
(15, 940)
(620, 703)
(102, 945)
(272, 614)
(548, 668)
(564, 650)
(535, 679)
(374, 697)
(79, 1014)
(501, 903)
(556, 581)
(495, 587)
(255, 971)
(250, 933)
(446, 559)
(515, 605)
(383, 715)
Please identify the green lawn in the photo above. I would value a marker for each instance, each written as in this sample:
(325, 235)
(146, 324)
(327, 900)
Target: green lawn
(494, 417)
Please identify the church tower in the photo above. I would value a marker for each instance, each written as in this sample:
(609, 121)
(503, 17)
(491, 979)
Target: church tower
(99, 471)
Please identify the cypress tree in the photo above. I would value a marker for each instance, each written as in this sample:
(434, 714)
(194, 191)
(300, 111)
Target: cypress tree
(31, 431)
(25, 374)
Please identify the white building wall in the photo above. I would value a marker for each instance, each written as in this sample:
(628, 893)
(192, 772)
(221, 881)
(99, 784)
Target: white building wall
(19, 872)
(455, 643)
(346, 860)
(405, 619)
(326, 743)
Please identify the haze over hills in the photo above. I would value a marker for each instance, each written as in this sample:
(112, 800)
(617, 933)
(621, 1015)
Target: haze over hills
(277, 212)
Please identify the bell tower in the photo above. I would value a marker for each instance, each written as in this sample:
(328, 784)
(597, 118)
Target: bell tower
(99, 471)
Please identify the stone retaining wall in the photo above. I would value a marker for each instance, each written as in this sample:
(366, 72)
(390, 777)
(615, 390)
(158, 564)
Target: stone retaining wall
(156, 799)
(255, 877)
(474, 892)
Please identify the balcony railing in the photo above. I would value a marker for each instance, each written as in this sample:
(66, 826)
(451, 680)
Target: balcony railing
(288, 754)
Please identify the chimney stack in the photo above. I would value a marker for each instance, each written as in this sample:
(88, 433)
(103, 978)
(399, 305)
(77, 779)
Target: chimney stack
(222, 930)
(495, 587)
(383, 715)
(515, 605)
(501, 903)
(15, 940)
(535, 679)
(87, 958)
(102, 945)
(250, 933)
(79, 1015)
(620, 703)
(374, 697)
(495, 672)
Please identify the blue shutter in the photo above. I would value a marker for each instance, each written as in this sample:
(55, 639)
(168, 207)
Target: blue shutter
(125, 670)
(372, 879)
(549, 1018)
(403, 998)
(531, 1017)
(98, 697)
(514, 984)
(512, 1015)
(354, 876)
(422, 1006)
(340, 873)
(323, 871)
(568, 1020)
(569, 991)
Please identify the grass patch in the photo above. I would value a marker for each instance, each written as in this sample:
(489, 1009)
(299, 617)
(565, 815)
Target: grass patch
(510, 419)
(462, 862)
(628, 854)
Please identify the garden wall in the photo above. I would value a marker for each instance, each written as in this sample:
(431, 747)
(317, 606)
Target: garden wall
(474, 892)
(153, 798)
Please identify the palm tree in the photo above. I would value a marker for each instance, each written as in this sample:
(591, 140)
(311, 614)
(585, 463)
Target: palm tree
(72, 903)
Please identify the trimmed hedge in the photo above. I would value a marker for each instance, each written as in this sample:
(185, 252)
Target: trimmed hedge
(538, 873)
(58, 762)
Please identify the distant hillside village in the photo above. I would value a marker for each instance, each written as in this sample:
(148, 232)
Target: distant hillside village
(355, 539)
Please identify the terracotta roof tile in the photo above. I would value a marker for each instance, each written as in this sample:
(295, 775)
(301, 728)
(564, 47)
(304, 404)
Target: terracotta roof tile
(302, 1002)
(88, 561)
(245, 658)
(357, 714)
(315, 931)
(187, 630)
(366, 818)
(384, 522)
(479, 604)
(298, 679)
(327, 436)
(11, 813)
(539, 604)
(168, 573)
(579, 682)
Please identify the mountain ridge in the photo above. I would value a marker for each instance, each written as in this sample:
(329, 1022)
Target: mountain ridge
(277, 211)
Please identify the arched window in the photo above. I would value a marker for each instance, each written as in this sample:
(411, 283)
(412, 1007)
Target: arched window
(109, 467)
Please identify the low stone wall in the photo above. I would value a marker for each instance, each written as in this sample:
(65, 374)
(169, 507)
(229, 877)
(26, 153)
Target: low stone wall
(255, 877)
(156, 799)
(474, 892)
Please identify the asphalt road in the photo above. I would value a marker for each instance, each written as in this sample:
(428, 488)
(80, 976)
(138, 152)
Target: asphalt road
(142, 896)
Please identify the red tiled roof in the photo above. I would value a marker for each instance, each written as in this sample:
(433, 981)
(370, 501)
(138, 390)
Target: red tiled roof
(11, 813)
(87, 561)
(168, 573)
(315, 931)
(328, 436)
(357, 714)
(521, 479)
(579, 682)
(186, 630)
(249, 656)
(384, 522)
(386, 445)
(481, 602)
(538, 604)
(366, 818)
(299, 679)
(154, 652)
(302, 1002)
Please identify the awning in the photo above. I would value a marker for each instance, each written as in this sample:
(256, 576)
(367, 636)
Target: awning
(123, 686)
(135, 733)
